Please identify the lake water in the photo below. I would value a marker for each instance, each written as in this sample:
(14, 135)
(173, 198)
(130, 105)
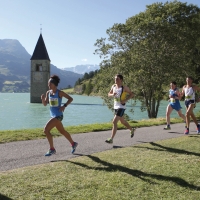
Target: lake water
(16, 112)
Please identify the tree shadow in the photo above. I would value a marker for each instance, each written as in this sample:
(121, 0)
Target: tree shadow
(136, 173)
(169, 149)
(175, 132)
(3, 197)
(196, 136)
(174, 150)
(117, 147)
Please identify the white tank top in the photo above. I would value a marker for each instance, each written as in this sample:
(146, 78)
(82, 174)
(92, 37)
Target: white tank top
(117, 102)
(189, 93)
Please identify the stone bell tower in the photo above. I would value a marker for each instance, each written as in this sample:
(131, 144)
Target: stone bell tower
(40, 71)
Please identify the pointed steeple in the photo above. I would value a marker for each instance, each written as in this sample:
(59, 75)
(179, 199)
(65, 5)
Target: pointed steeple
(40, 52)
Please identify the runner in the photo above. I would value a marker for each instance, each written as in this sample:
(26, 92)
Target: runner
(189, 92)
(121, 95)
(54, 98)
(174, 97)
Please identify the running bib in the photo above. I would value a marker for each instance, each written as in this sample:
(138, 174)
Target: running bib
(172, 100)
(188, 97)
(53, 102)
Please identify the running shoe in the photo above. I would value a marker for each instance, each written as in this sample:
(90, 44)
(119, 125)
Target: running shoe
(50, 152)
(74, 147)
(132, 132)
(109, 140)
(167, 128)
(186, 132)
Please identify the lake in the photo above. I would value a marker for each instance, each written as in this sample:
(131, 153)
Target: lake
(16, 111)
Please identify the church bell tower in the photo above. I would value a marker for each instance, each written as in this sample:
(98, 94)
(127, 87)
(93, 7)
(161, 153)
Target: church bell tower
(40, 71)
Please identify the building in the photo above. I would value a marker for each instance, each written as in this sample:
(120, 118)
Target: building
(40, 71)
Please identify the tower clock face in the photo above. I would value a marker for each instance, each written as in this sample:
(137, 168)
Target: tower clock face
(37, 76)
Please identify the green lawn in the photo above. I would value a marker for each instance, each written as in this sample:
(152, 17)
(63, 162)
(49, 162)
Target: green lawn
(167, 169)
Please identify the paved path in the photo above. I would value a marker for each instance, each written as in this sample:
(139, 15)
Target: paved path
(27, 153)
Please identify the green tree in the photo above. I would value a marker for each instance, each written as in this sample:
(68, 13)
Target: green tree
(88, 88)
(86, 76)
(83, 88)
(78, 82)
(151, 49)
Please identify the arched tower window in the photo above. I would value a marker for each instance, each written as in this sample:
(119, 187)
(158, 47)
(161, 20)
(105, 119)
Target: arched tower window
(39, 67)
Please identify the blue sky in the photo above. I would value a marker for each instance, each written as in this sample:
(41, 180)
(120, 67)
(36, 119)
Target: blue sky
(69, 27)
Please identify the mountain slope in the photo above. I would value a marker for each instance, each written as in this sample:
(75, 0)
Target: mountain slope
(82, 69)
(15, 68)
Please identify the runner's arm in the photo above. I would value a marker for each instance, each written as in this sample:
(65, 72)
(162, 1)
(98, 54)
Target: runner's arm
(110, 93)
(69, 100)
(68, 97)
(178, 95)
(196, 88)
(45, 99)
(182, 93)
(130, 96)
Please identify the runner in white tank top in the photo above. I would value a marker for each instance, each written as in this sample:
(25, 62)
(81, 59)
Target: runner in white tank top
(189, 92)
(121, 95)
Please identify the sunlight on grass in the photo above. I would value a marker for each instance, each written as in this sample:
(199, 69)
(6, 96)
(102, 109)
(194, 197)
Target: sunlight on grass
(163, 170)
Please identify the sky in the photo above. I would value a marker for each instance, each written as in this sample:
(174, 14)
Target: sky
(69, 28)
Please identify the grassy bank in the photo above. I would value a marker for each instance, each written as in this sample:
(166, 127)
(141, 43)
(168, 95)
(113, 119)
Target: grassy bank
(30, 134)
(159, 170)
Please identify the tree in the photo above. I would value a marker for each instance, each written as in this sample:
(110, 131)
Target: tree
(151, 49)
(83, 88)
(69, 86)
(86, 76)
(88, 88)
(78, 82)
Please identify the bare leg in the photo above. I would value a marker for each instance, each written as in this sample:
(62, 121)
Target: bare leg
(114, 129)
(50, 124)
(168, 112)
(194, 118)
(61, 129)
(189, 112)
(181, 115)
(125, 123)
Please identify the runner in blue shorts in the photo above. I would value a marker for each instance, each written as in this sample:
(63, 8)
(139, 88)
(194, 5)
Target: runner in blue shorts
(174, 103)
(54, 97)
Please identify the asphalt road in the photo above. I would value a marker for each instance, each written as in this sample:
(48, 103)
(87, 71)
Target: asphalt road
(28, 153)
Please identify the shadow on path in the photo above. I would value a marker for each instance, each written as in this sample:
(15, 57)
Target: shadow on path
(136, 173)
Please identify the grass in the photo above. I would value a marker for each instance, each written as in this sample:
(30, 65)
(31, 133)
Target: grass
(69, 90)
(166, 169)
(31, 134)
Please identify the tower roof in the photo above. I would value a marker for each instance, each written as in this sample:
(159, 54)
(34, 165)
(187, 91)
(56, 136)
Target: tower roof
(40, 52)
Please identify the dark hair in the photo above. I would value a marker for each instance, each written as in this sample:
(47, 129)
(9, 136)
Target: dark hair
(119, 76)
(190, 77)
(55, 80)
(173, 82)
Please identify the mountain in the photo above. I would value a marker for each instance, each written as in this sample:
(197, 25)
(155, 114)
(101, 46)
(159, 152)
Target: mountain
(15, 68)
(82, 69)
